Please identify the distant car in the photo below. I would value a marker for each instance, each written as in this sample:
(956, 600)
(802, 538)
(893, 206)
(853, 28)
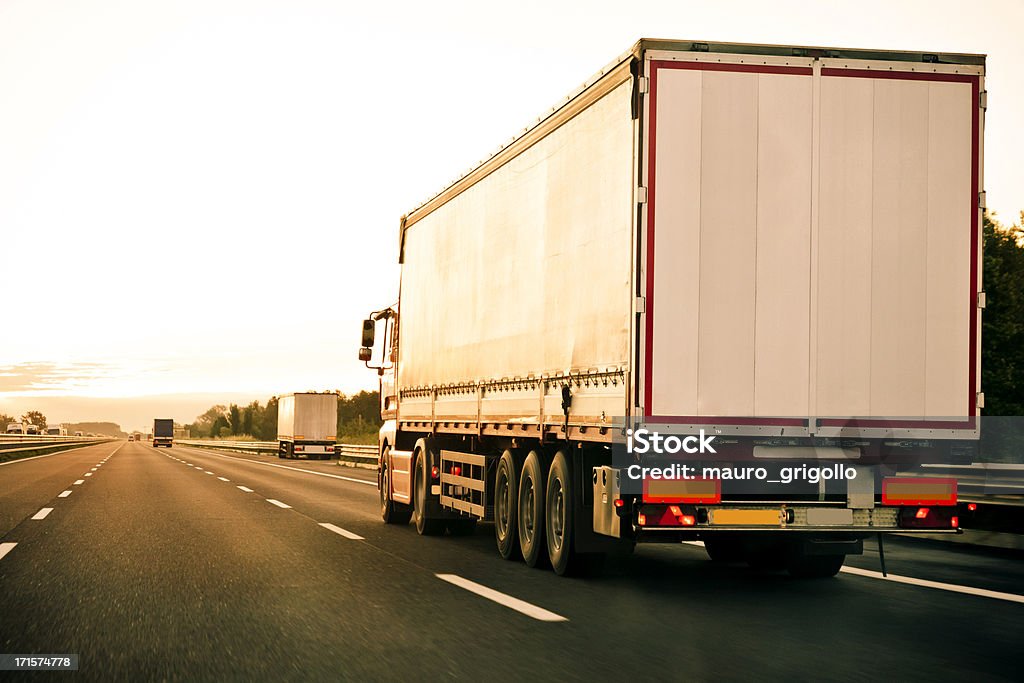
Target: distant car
(31, 429)
(15, 428)
(79, 434)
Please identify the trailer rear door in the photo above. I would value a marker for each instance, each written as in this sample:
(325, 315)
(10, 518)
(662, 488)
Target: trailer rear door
(811, 243)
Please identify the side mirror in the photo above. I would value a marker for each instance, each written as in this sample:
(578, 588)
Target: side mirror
(369, 330)
(365, 354)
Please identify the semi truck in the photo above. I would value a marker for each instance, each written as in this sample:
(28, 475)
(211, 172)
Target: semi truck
(307, 425)
(56, 430)
(163, 432)
(775, 246)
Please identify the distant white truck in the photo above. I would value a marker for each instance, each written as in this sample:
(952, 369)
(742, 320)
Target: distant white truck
(307, 425)
(56, 430)
(15, 428)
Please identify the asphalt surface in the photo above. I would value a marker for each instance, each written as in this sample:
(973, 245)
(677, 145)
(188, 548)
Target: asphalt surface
(158, 566)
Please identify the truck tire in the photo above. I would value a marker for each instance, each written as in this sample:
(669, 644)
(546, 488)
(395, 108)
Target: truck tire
(558, 517)
(530, 527)
(506, 507)
(425, 526)
(390, 511)
(282, 450)
(815, 566)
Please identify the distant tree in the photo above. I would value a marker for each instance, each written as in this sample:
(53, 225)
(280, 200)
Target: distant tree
(36, 418)
(235, 419)
(1002, 330)
(6, 420)
(359, 415)
(204, 424)
(220, 424)
(265, 428)
(1002, 341)
(250, 416)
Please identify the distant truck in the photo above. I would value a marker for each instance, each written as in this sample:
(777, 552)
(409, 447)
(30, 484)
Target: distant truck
(136, 436)
(779, 245)
(15, 428)
(307, 425)
(31, 429)
(163, 432)
(56, 430)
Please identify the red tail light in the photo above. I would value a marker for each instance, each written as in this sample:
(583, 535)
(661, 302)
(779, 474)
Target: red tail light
(922, 513)
(434, 472)
(687, 520)
(972, 506)
(955, 522)
(456, 470)
(641, 520)
(619, 502)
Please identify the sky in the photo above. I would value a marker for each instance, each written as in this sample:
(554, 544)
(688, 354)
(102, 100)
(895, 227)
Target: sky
(201, 199)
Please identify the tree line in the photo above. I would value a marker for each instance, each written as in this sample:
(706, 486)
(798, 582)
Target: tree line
(358, 419)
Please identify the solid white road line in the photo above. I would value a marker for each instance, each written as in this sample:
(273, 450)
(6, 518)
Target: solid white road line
(518, 605)
(278, 503)
(223, 478)
(80, 481)
(6, 548)
(952, 587)
(909, 580)
(341, 532)
(65, 494)
(42, 513)
(246, 489)
(298, 469)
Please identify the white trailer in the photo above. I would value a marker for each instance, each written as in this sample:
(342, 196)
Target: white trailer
(777, 244)
(307, 425)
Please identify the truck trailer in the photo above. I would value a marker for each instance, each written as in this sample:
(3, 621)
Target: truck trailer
(778, 246)
(307, 425)
(163, 432)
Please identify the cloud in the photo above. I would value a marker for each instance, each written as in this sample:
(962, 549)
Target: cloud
(49, 377)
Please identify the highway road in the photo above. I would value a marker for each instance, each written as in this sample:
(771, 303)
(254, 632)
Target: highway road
(184, 564)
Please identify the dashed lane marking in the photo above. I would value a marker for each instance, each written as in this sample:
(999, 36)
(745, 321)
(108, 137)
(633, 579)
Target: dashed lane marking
(952, 587)
(341, 532)
(518, 605)
(278, 503)
(42, 513)
(6, 548)
(246, 489)
(65, 494)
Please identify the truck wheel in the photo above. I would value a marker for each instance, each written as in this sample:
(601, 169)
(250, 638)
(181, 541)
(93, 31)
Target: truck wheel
(425, 526)
(531, 511)
(390, 511)
(722, 549)
(815, 566)
(558, 520)
(506, 507)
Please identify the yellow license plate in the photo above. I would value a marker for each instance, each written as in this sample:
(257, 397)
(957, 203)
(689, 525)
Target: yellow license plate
(746, 517)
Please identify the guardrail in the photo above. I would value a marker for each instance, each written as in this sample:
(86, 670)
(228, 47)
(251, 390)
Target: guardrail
(359, 455)
(991, 483)
(13, 446)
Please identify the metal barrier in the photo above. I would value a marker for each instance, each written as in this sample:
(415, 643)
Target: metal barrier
(11, 445)
(359, 455)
